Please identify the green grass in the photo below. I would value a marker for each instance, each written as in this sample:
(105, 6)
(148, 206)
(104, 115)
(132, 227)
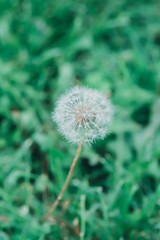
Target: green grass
(45, 48)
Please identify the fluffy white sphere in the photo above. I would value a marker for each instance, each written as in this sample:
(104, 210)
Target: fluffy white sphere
(83, 113)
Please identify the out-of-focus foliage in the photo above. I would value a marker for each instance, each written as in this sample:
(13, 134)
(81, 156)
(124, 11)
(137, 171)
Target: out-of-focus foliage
(46, 47)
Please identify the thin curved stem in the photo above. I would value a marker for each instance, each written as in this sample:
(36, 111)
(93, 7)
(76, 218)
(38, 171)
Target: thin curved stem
(67, 181)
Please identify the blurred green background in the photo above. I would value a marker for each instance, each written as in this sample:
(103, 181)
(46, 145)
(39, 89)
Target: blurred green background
(45, 48)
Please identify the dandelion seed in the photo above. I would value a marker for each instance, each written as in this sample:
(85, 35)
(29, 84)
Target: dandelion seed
(82, 115)
(82, 110)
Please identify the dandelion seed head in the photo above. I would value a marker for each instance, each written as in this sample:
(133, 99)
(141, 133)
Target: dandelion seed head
(82, 112)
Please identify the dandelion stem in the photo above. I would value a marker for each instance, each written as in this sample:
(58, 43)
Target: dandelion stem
(65, 186)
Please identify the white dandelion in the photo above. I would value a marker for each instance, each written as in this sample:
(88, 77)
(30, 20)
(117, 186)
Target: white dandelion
(83, 111)
(82, 115)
